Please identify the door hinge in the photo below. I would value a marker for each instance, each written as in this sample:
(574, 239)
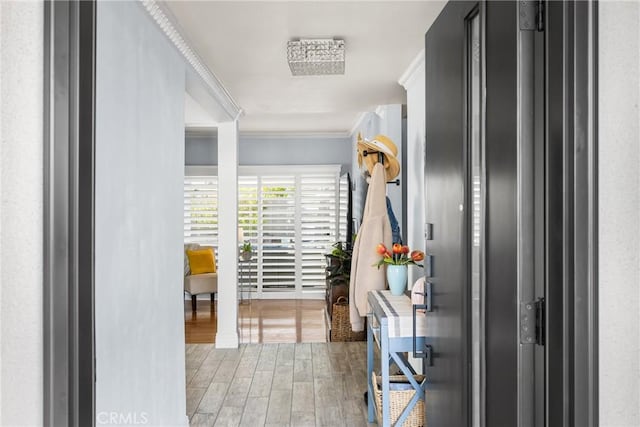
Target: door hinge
(531, 15)
(532, 322)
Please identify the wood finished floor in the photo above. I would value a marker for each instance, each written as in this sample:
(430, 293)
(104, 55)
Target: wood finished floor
(261, 321)
(304, 384)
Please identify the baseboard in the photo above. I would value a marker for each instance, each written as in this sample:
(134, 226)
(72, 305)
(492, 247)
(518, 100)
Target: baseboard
(227, 340)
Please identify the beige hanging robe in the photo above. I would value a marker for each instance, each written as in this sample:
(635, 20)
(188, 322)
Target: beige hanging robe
(375, 228)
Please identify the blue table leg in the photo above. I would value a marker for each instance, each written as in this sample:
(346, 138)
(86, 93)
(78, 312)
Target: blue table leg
(370, 348)
(406, 369)
(384, 358)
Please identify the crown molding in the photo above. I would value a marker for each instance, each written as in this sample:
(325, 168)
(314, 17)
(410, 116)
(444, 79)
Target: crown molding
(407, 78)
(163, 18)
(381, 111)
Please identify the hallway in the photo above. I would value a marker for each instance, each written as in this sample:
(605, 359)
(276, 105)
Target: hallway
(315, 384)
(516, 128)
(261, 322)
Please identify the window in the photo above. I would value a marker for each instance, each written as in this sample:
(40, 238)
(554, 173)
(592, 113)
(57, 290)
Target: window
(277, 239)
(319, 209)
(344, 206)
(201, 210)
(290, 218)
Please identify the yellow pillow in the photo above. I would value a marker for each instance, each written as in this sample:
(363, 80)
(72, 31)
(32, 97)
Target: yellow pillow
(201, 261)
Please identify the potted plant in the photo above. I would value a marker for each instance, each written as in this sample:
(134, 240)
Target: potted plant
(338, 273)
(397, 261)
(339, 264)
(246, 251)
(337, 297)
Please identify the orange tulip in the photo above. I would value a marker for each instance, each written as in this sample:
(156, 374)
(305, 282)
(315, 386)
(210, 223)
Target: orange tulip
(381, 249)
(405, 249)
(397, 248)
(417, 255)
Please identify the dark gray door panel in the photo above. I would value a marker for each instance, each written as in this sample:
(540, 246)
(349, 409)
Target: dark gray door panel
(448, 196)
(448, 401)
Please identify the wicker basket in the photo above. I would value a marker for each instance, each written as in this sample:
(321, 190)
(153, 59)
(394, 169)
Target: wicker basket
(398, 400)
(341, 325)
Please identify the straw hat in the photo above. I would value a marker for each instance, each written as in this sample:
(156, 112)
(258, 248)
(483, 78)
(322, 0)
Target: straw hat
(379, 144)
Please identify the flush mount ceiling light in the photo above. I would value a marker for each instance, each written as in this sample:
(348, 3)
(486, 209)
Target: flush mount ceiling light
(314, 57)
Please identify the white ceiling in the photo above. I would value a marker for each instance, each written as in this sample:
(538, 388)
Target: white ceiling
(244, 44)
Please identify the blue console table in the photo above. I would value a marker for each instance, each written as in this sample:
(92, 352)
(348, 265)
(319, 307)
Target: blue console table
(390, 327)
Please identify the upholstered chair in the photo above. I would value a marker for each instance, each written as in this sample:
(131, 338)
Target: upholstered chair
(196, 284)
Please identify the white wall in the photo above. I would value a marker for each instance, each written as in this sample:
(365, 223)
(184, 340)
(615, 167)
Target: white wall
(21, 212)
(295, 151)
(368, 127)
(390, 124)
(139, 206)
(414, 83)
(619, 213)
(201, 150)
(386, 120)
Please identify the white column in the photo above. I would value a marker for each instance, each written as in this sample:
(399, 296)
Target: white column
(413, 81)
(227, 335)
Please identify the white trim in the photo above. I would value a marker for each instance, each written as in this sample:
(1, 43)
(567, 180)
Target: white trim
(381, 111)
(317, 295)
(163, 18)
(201, 132)
(407, 78)
(287, 169)
(227, 340)
(201, 170)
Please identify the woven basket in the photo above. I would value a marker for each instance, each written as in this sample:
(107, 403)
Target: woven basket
(398, 400)
(341, 325)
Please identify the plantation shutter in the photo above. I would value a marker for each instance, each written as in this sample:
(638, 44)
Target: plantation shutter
(248, 220)
(344, 206)
(318, 226)
(291, 221)
(201, 210)
(277, 239)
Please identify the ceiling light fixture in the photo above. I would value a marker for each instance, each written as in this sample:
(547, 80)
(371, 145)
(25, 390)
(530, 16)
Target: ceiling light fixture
(314, 57)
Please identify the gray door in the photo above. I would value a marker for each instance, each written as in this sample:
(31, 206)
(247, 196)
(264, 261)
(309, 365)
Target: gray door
(480, 373)
(511, 196)
(448, 400)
